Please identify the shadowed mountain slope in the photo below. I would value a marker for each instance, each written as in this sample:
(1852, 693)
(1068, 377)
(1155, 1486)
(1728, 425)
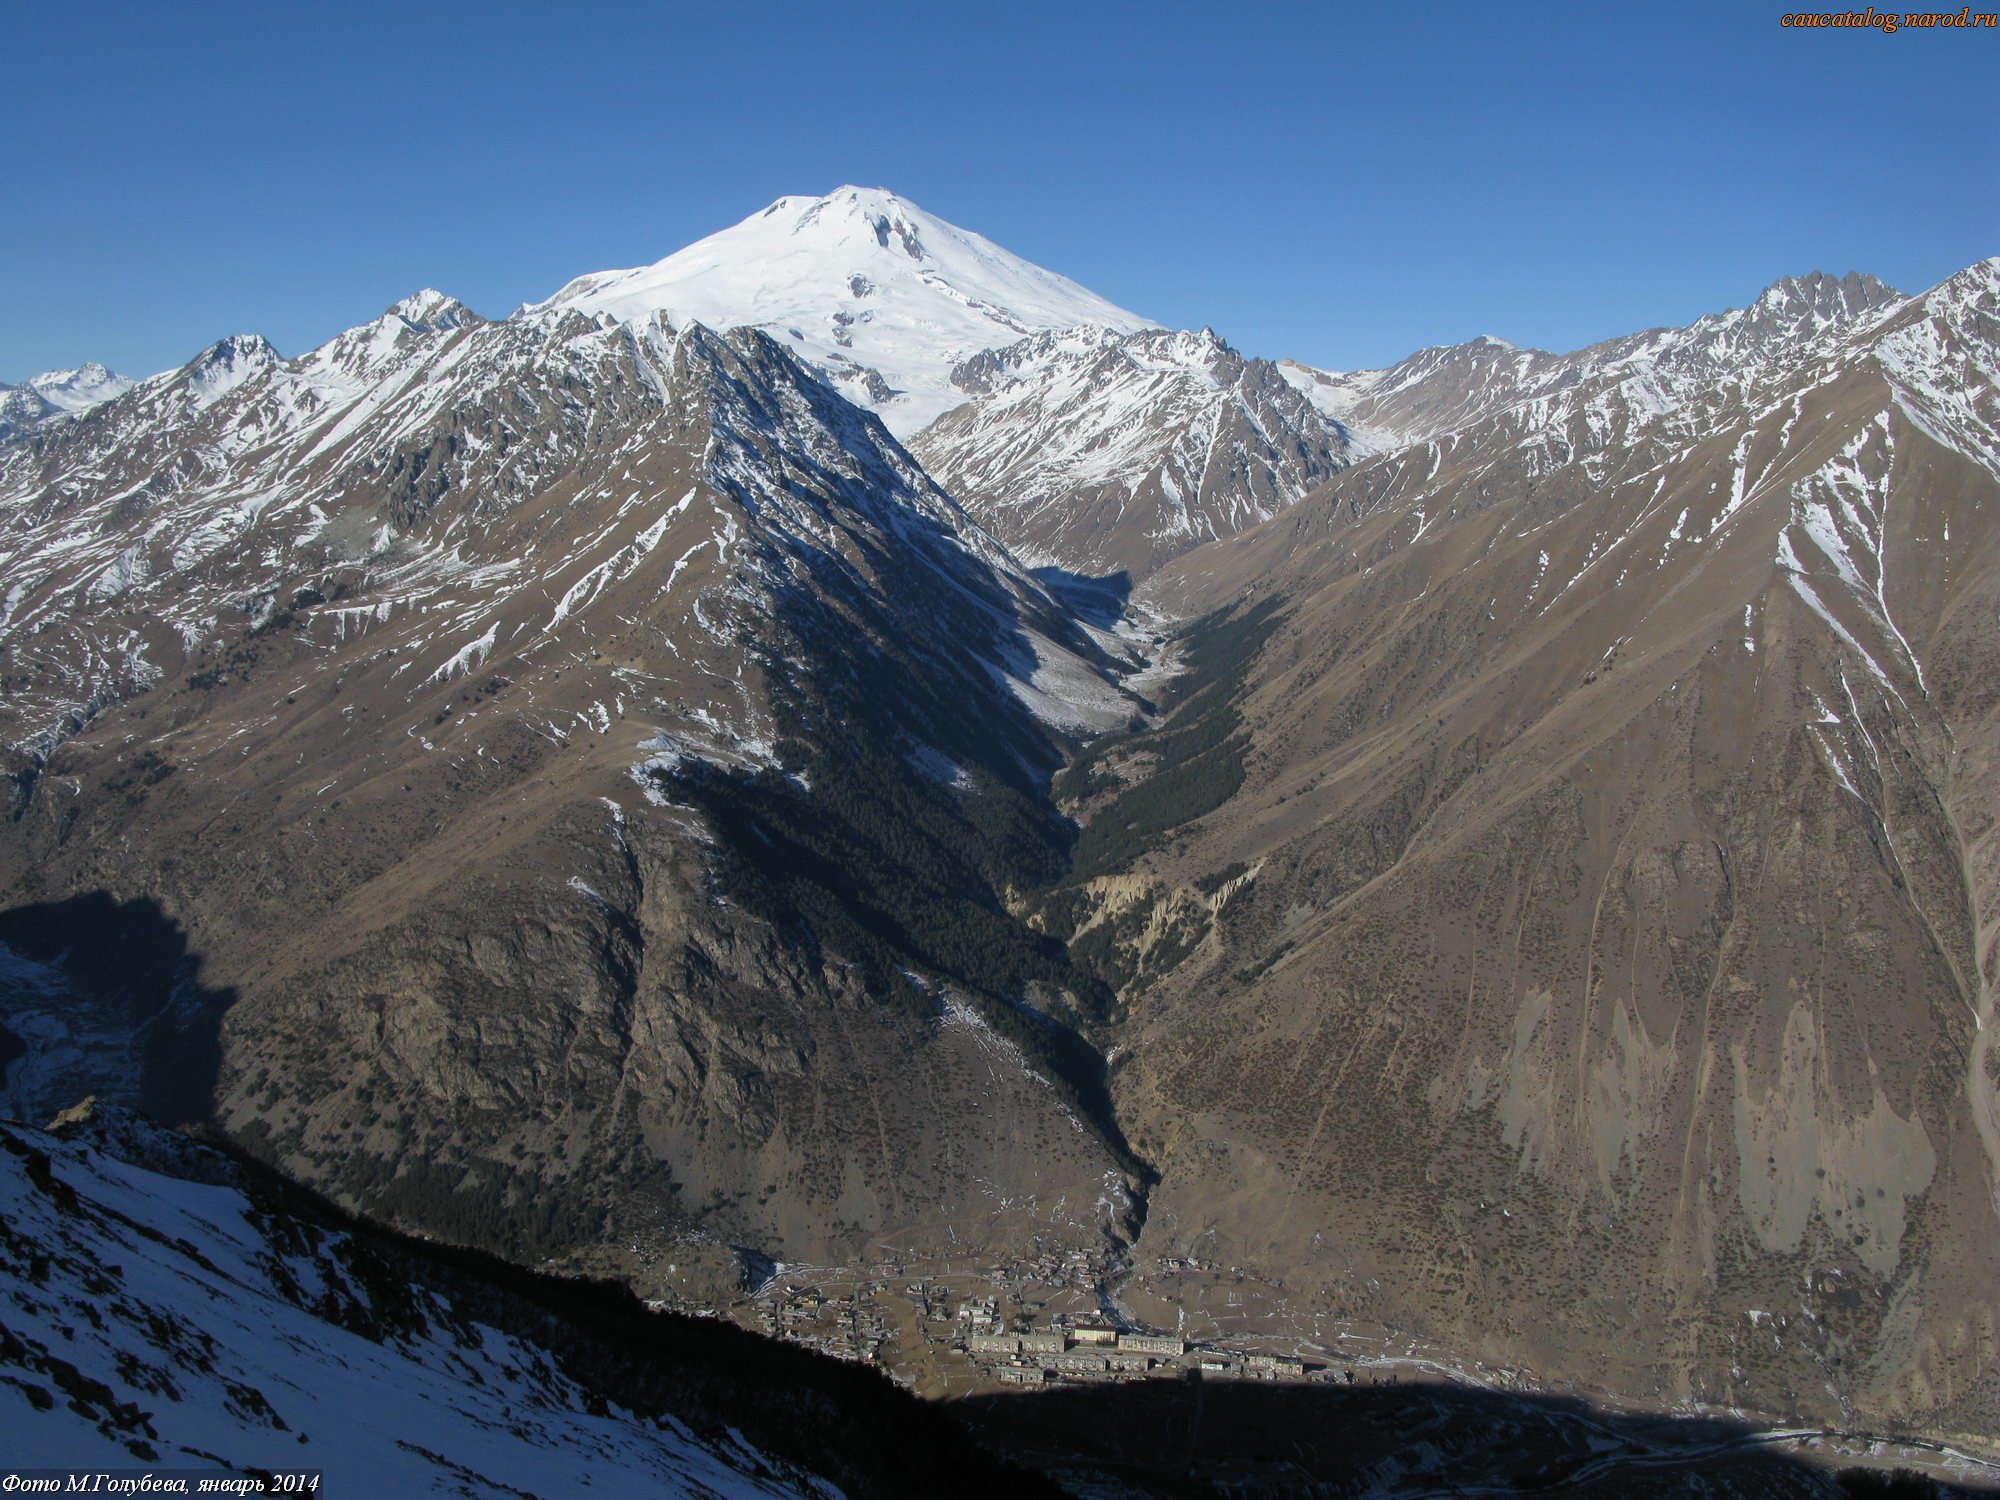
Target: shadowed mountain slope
(412, 679)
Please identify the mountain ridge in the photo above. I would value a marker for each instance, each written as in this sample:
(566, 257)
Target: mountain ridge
(1609, 793)
(1110, 453)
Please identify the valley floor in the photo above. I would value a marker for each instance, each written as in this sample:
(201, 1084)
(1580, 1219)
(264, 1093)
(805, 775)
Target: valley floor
(1265, 1397)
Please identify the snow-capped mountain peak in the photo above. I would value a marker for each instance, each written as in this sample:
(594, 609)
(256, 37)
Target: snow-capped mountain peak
(22, 407)
(57, 393)
(238, 348)
(882, 297)
(350, 361)
(430, 311)
(80, 389)
(1828, 298)
(1108, 452)
(224, 365)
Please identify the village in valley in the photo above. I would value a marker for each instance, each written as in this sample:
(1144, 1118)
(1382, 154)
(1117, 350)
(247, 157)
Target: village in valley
(1050, 1319)
(981, 1329)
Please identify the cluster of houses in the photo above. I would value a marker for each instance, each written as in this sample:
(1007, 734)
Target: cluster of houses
(849, 1327)
(1081, 1349)
(1087, 1352)
(1255, 1366)
(1171, 1265)
(1081, 1270)
(1036, 1356)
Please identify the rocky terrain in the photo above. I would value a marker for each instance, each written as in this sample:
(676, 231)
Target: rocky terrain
(1518, 877)
(1583, 939)
(448, 688)
(1109, 453)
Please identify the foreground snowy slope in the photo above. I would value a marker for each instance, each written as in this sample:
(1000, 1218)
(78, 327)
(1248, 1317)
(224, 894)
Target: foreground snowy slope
(883, 298)
(163, 1305)
(159, 1315)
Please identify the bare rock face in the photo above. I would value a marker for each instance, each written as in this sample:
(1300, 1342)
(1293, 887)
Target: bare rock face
(444, 689)
(1107, 452)
(1608, 984)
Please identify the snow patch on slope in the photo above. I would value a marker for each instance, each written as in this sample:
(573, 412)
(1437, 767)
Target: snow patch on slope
(185, 1324)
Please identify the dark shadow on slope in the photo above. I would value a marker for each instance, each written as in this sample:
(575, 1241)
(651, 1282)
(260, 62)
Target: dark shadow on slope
(1098, 601)
(912, 797)
(852, 853)
(1189, 1437)
(1195, 755)
(845, 1422)
(109, 1002)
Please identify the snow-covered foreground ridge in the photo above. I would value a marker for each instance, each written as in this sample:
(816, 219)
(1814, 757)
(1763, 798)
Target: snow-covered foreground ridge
(164, 1305)
(160, 1309)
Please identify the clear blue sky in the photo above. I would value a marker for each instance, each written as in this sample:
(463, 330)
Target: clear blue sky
(1339, 183)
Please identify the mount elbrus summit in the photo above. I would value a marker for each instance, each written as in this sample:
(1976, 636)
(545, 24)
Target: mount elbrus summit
(843, 760)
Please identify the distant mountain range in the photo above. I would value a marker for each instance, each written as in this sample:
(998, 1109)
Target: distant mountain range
(843, 746)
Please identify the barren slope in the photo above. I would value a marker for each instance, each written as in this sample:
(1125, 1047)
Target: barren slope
(445, 694)
(1589, 961)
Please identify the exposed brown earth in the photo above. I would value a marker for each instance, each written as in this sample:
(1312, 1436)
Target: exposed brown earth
(1613, 990)
(399, 758)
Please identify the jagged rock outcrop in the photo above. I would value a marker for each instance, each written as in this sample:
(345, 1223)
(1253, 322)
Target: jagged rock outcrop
(1109, 452)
